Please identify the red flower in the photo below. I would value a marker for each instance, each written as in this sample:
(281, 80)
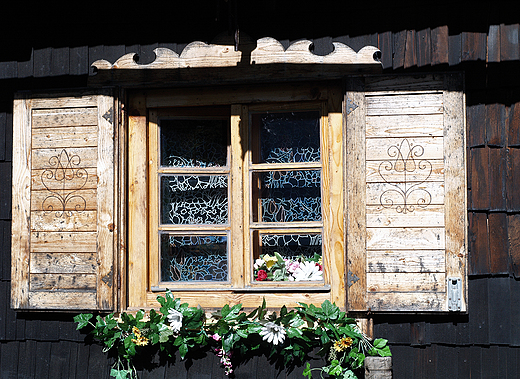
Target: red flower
(261, 275)
(319, 266)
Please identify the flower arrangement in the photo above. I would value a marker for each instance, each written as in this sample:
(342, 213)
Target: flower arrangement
(277, 268)
(232, 334)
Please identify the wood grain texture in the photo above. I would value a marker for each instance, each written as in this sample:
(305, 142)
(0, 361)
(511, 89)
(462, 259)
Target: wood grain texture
(67, 207)
(393, 261)
(267, 51)
(356, 193)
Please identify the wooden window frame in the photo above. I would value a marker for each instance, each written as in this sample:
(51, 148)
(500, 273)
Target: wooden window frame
(142, 277)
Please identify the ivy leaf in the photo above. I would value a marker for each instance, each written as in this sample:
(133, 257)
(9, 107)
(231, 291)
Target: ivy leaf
(164, 335)
(82, 320)
(380, 343)
(330, 311)
(307, 372)
(183, 350)
(121, 374)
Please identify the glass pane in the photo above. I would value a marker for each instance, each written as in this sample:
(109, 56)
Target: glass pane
(287, 196)
(193, 258)
(193, 143)
(194, 199)
(287, 257)
(286, 137)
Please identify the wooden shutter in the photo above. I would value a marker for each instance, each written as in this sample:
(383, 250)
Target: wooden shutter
(63, 202)
(406, 194)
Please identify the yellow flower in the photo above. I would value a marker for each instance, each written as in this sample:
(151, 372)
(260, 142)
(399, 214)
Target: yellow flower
(269, 261)
(343, 344)
(140, 341)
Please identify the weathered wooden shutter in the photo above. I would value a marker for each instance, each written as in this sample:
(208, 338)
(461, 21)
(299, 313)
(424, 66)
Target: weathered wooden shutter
(63, 202)
(406, 194)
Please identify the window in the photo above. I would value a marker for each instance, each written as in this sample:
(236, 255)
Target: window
(231, 180)
(116, 200)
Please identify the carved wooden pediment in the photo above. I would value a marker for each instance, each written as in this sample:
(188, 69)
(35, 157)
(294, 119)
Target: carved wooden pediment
(267, 51)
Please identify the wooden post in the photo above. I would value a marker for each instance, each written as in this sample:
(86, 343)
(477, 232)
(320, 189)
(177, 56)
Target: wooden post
(378, 368)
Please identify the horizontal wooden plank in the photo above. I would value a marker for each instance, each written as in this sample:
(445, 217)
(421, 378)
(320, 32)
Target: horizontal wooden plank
(406, 260)
(248, 300)
(47, 179)
(406, 282)
(59, 220)
(405, 238)
(48, 118)
(50, 242)
(381, 217)
(63, 263)
(62, 282)
(72, 136)
(418, 170)
(406, 104)
(404, 83)
(394, 194)
(63, 161)
(224, 95)
(409, 301)
(63, 101)
(418, 148)
(418, 125)
(75, 300)
(59, 199)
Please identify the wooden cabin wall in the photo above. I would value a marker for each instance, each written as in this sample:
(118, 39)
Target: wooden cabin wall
(481, 41)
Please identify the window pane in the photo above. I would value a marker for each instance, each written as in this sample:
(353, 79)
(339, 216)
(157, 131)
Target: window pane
(287, 196)
(193, 258)
(194, 199)
(193, 143)
(287, 257)
(286, 137)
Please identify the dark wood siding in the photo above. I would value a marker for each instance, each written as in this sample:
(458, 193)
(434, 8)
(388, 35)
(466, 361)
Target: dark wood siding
(482, 41)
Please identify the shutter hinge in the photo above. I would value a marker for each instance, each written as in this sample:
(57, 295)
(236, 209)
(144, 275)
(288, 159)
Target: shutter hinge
(351, 278)
(351, 106)
(454, 294)
(108, 279)
(109, 115)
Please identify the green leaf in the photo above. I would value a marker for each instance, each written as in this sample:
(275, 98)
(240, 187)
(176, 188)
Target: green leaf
(82, 320)
(121, 374)
(380, 343)
(307, 372)
(183, 350)
(330, 311)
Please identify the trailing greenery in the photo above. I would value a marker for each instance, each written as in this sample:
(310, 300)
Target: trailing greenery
(290, 336)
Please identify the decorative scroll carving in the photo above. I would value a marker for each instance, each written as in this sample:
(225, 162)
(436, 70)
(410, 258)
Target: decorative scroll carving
(63, 179)
(267, 51)
(404, 175)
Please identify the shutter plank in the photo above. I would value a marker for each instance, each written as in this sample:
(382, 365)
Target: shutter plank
(54, 117)
(405, 261)
(43, 242)
(63, 282)
(385, 148)
(356, 195)
(60, 263)
(82, 136)
(406, 282)
(380, 217)
(430, 125)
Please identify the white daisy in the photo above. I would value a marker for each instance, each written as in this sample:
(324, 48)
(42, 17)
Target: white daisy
(308, 271)
(273, 333)
(175, 319)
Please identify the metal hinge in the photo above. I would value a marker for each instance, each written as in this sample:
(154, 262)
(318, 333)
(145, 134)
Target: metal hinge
(454, 294)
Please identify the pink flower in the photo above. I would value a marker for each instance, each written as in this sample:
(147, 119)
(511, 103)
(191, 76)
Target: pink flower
(216, 337)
